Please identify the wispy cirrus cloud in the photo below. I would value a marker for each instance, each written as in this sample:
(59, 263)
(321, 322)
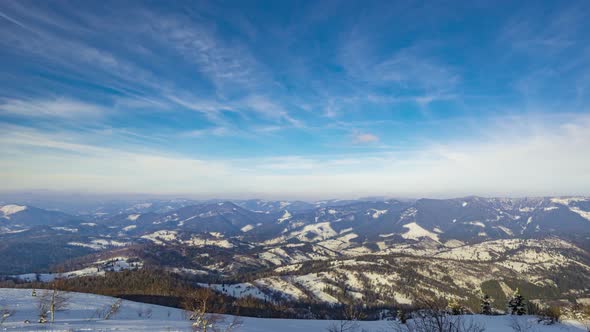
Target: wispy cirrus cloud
(560, 29)
(519, 148)
(55, 108)
(227, 65)
(287, 101)
(256, 104)
(411, 66)
(214, 131)
(413, 70)
(552, 49)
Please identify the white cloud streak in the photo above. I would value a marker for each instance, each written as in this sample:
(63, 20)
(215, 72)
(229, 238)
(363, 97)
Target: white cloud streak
(61, 108)
(521, 159)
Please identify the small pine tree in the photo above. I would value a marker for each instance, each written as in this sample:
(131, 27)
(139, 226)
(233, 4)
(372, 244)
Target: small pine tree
(455, 308)
(517, 305)
(486, 305)
(401, 316)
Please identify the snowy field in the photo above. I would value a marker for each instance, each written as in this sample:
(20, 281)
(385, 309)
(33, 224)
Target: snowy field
(82, 314)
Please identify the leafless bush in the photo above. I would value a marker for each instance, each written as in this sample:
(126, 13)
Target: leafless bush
(215, 323)
(344, 326)
(197, 303)
(43, 309)
(549, 315)
(144, 312)
(521, 324)
(110, 310)
(585, 317)
(434, 317)
(5, 313)
(350, 323)
(434, 322)
(50, 302)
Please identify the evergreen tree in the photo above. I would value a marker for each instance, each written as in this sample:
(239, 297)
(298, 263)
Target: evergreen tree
(455, 308)
(401, 316)
(486, 305)
(517, 305)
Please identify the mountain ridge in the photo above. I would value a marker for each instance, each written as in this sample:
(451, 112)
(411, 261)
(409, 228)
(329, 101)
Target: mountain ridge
(304, 251)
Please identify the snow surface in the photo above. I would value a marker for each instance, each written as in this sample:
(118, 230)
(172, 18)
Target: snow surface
(237, 290)
(476, 223)
(567, 200)
(416, 232)
(378, 213)
(506, 230)
(133, 217)
(247, 228)
(582, 213)
(130, 227)
(321, 231)
(160, 237)
(65, 229)
(196, 241)
(286, 216)
(98, 268)
(11, 209)
(99, 244)
(81, 315)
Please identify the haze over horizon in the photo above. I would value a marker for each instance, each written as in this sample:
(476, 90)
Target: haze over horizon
(45, 197)
(300, 100)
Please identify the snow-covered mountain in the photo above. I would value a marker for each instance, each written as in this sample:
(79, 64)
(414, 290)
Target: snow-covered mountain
(388, 250)
(26, 216)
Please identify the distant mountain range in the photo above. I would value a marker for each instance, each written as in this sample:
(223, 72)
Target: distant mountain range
(306, 251)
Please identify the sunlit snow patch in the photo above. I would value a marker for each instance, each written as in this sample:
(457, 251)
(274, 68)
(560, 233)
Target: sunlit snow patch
(416, 232)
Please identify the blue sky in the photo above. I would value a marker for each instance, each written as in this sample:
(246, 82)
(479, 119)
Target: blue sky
(296, 99)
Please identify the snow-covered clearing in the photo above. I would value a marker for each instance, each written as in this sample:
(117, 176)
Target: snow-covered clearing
(11, 209)
(286, 216)
(98, 268)
(133, 217)
(247, 228)
(416, 232)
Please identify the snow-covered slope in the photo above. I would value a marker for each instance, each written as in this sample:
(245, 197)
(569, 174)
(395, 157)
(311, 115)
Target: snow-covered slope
(9, 209)
(84, 314)
(98, 268)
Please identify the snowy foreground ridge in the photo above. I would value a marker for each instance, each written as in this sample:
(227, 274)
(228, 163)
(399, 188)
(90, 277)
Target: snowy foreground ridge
(83, 311)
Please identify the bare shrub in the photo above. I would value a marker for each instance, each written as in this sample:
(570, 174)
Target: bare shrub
(549, 315)
(344, 326)
(434, 317)
(521, 324)
(585, 317)
(197, 303)
(5, 313)
(49, 303)
(351, 315)
(144, 312)
(113, 309)
(108, 311)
